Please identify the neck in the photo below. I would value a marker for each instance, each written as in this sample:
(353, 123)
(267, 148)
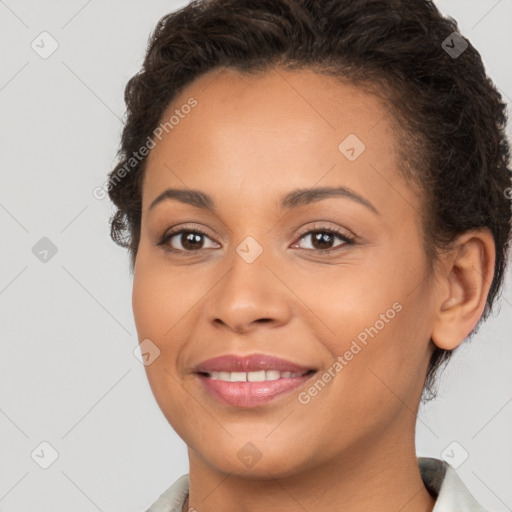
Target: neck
(381, 475)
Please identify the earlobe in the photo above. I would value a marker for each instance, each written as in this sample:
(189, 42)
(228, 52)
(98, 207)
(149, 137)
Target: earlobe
(464, 280)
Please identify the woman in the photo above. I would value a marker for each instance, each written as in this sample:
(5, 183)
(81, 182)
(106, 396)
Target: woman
(314, 197)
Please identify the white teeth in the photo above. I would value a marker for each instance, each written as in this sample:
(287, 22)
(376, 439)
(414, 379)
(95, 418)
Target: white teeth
(238, 376)
(258, 376)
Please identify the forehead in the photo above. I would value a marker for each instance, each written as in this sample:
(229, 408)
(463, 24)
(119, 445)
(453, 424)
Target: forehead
(278, 101)
(253, 134)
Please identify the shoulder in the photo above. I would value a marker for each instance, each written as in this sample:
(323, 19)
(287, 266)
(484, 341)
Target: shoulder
(443, 482)
(172, 499)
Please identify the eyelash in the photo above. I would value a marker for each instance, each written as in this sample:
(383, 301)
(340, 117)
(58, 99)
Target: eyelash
(331, 231)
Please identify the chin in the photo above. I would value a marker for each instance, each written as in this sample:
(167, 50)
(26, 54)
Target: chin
(247, 459)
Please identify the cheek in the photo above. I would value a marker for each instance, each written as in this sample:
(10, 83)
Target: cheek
(351, 302)
(376, 320)
(148, 305)
(157, 309)
(163, 303)
(162, 297)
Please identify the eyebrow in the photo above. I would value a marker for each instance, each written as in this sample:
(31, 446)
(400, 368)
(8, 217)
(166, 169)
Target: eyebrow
(294, 199)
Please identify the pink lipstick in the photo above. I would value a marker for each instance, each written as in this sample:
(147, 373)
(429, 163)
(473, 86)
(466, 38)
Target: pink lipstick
(249, 381)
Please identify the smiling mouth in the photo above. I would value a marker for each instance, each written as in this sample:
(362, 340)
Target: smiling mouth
(255, 376)
(252, 389)
(250, 380)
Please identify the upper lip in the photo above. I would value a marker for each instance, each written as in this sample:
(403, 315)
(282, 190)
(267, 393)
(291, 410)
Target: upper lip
(250, 363)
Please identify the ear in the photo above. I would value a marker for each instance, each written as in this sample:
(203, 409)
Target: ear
(464, 279)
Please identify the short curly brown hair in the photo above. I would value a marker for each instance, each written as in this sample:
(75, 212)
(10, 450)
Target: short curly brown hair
(450, 117)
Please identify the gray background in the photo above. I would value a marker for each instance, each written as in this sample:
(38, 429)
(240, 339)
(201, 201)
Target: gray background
(68, 373)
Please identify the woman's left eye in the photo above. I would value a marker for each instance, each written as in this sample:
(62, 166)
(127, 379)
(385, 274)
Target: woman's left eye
(321, 239)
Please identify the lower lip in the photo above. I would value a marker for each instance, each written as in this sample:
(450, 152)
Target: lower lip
(251, 394)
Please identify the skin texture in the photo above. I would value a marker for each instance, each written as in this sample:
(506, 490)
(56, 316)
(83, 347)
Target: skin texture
(250, 140)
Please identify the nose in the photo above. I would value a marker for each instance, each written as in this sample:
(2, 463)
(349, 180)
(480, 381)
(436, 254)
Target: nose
(250, 296)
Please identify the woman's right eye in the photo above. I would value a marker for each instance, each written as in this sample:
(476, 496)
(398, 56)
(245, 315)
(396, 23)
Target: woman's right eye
(189, 239)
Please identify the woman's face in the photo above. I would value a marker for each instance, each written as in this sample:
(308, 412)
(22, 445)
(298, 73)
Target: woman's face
(270, 277)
